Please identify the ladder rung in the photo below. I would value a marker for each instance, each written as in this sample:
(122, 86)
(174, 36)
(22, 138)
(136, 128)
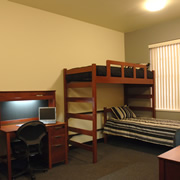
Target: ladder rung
(80, 116)
(81, 131)
(84, 146)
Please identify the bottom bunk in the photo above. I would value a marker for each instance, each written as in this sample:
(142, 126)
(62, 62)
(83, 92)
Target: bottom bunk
(158, 131)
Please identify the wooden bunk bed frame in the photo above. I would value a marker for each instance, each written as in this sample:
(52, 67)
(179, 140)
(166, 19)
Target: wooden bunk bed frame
(93, 100)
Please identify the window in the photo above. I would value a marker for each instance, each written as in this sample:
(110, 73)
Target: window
(165, 60)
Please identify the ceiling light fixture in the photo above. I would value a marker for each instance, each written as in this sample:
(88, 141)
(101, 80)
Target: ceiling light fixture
(155, 5)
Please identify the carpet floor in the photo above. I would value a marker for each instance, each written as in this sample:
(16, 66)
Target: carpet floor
(119, 159)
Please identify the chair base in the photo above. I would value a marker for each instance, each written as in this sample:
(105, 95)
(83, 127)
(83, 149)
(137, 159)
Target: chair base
(30, 168)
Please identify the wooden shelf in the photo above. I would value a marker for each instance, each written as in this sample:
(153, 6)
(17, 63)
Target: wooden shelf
(6, 96)
(26, 95)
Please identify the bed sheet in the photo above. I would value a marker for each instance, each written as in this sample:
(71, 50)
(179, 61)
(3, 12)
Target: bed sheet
(153, 130)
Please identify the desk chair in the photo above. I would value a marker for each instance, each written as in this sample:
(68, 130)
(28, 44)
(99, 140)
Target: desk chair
(28, 145)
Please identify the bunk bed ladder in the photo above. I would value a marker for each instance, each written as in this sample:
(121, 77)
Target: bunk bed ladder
(82, 116)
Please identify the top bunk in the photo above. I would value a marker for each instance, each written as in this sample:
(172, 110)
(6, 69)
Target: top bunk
(114, 72)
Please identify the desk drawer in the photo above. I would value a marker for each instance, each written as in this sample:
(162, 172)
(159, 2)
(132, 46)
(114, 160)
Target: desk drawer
(58, 153)
(57, 130)
(58, 139)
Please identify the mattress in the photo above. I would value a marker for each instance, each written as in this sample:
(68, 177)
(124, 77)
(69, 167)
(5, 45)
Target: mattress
(115, 72)
(157, 131)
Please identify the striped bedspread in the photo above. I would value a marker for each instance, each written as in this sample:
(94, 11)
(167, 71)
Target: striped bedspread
(158, 131)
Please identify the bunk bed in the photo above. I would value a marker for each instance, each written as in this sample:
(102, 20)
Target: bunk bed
(114, 72)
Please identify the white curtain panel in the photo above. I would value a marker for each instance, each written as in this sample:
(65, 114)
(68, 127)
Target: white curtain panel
(165, 60)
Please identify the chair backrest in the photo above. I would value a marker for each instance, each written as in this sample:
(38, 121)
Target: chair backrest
(32, 132)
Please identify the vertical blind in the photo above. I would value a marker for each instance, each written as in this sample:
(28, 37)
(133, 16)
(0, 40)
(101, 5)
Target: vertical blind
(165, 60)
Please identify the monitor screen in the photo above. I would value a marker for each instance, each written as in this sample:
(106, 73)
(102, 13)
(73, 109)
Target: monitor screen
(47, 115)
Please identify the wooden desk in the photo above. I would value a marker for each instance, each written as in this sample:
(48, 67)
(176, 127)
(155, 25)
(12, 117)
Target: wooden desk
(169, 164)
(57, 143)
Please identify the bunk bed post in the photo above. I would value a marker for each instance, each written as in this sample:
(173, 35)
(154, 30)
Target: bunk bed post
(105, 119)
(134, 72)
(153, 96)
(65, 97)
(125, 94)
(66, 105)
(108, 68)
(94, 107)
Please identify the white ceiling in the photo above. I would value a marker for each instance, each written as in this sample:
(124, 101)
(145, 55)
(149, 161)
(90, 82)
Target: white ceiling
(120, 15)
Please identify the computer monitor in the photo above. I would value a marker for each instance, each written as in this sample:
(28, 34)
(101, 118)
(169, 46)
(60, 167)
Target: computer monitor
(47, 115)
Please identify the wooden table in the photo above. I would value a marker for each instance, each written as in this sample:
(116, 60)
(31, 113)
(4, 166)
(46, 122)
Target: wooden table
(169, 164)
(54, 155)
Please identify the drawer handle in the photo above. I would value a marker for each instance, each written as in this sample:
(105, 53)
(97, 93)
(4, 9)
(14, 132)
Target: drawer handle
(39, 94)
(59, 127)
(57, 136)
(57, 145)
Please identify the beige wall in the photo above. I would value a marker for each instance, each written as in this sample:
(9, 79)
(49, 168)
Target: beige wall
(136, 47)
(36, 45)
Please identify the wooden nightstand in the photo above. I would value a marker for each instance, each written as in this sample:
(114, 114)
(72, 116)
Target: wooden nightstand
(169, 164)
